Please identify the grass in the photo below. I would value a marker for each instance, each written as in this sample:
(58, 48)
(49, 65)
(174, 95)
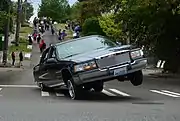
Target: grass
(22, 47)
(24, 31)
(69, 32)
(23, 35)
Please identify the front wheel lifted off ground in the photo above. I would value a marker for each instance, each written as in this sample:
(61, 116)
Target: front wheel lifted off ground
(136, 78)
(74, 90)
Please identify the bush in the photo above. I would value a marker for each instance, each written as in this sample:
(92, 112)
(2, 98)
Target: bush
(25, 25)
(23, 40)
(91, 26)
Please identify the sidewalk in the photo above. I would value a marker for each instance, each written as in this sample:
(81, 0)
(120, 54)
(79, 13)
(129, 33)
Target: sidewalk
(157, 73)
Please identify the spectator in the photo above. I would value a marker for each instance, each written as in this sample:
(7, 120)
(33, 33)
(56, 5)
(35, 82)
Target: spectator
(38, 38)
(63, 34)
(59, 32)
(30, 39)
(13, 56)
(42, 46)
(34, 36)
(20, 58)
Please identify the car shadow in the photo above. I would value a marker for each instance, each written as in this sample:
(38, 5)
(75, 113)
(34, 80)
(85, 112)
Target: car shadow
(99, 97)
(90, 96)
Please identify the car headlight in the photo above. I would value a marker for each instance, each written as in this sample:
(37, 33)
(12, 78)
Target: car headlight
(137, 54)
(85, 66)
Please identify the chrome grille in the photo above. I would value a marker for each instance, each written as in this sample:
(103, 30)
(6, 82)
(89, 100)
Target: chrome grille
(113, 60)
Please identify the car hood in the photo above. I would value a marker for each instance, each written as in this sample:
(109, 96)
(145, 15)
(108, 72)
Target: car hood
(96, 53)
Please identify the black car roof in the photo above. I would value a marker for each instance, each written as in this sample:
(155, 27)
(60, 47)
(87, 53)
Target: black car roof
(71, 40)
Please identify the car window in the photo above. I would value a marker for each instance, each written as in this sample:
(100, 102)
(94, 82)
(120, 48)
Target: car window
(44, 56)
(83, 45)
(52, 53)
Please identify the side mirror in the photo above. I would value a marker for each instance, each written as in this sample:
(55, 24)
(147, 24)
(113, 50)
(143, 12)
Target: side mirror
(118, 43)
(51, 61)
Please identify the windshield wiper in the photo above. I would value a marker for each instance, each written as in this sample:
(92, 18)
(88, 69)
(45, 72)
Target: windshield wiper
(71, 55)
(99, 48)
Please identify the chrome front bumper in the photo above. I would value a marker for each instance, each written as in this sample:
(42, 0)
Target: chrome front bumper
(108, 73)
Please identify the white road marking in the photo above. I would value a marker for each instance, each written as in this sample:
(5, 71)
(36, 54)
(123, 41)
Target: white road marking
(44, 94)
(59, 94)
(108, 93)
(17, 86)
(163, 93)
(174, 93)
(119, 92)
(0, 90)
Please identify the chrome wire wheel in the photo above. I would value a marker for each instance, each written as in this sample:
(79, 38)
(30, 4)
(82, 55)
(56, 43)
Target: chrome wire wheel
(71, 90)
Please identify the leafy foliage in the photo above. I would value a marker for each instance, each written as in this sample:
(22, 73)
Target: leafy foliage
(109, 27)
(4, 15)
(153, 23)
(29, 10)
(75, 11)
(58, 10)
(91, 26)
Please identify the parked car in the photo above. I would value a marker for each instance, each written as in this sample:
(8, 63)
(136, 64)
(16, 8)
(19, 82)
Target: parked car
(86, 63)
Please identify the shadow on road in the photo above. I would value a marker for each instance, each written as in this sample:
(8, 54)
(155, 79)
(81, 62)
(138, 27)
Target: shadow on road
(92, 96)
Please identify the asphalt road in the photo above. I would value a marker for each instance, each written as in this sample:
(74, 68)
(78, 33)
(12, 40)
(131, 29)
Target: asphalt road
(158, 99)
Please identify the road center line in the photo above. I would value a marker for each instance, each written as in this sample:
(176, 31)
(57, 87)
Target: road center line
(17, 86)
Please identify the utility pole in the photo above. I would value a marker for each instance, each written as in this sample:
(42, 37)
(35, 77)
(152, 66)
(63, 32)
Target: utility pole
(6, 35)
(19, 9)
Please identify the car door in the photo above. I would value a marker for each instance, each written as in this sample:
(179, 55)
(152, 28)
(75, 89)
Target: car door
(54, 69)
(43, 69)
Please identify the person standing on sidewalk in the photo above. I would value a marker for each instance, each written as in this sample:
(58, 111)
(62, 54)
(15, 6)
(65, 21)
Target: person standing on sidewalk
(35, 37)
(13, 56)
(52, 30)
(38, 38)
(20, 58)
(63, 34)
(42, 46)
(59, 37)
(30, 39)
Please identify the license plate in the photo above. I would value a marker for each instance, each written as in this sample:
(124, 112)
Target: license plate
(120, 71)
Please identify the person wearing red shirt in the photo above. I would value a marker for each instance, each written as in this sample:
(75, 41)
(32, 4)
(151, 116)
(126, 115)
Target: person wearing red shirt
(42, 46)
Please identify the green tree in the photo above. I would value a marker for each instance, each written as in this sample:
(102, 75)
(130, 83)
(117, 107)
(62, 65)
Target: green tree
(75, 13)
(4, 5)
(109, 27)
(91, 26)
(55, 9)
(29, 10)
(153, 23)
(89, 9)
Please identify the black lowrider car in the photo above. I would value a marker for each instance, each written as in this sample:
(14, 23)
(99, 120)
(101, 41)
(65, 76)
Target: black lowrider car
(86, 63)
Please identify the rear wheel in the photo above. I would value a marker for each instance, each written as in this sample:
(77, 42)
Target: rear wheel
(74, 90)
(98, 86)
(136, 78)
(43, 87)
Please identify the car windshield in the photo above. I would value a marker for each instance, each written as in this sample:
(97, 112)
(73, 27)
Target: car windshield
(83, 45)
